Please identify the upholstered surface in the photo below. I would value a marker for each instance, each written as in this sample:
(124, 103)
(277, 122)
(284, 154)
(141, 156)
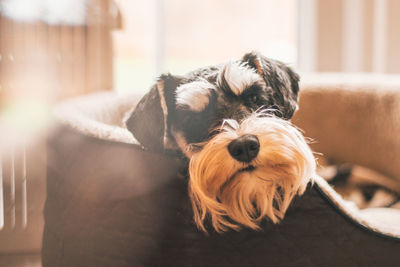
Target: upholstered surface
(110, 203)
(353, 118)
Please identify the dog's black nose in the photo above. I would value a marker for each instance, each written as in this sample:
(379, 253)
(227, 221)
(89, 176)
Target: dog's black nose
(244, 148)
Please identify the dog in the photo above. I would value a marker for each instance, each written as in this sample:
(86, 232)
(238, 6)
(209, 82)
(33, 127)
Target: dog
(231, 121)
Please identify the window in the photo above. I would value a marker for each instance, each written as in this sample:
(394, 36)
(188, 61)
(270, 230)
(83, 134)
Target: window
(179, 36)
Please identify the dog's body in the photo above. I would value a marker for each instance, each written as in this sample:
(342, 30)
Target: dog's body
(247, 161)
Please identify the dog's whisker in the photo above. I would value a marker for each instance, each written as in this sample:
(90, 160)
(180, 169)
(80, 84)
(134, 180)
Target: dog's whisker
(261, 109)
(268, 112)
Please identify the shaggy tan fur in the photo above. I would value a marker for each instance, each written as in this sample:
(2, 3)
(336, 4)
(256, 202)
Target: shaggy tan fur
(231, 195)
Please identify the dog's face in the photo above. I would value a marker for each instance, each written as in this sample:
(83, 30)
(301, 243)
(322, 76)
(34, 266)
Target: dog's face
(246, 160)
(183, 110)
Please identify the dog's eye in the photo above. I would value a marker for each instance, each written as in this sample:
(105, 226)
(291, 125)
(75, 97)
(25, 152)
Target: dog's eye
(253, 98)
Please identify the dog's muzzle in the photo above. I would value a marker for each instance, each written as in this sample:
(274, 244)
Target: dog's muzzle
(249, 171)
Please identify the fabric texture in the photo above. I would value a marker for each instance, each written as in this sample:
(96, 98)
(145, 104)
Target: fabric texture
(111, 203)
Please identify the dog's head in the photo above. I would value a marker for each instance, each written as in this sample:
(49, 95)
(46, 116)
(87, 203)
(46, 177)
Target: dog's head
(231, 120)
(182, 110)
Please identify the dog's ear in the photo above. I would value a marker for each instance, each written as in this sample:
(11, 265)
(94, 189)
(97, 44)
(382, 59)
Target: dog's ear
(149, 121)
(280, 77)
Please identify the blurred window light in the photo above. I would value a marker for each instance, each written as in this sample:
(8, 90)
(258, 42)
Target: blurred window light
(72, 12)
(179, 36)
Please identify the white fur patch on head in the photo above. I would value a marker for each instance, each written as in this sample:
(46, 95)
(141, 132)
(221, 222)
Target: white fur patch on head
(194, 95)
(239, 76)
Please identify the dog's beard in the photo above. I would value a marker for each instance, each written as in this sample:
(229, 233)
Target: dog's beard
(232, 193)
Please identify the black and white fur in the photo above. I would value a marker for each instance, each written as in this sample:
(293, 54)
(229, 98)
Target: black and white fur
(183, 110)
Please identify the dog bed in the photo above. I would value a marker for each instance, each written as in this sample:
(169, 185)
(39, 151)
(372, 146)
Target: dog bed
(111, 203)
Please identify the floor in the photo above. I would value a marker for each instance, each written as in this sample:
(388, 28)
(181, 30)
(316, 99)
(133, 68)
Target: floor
(20, 260)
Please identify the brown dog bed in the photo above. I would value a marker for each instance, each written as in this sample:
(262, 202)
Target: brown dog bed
(111, 203)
